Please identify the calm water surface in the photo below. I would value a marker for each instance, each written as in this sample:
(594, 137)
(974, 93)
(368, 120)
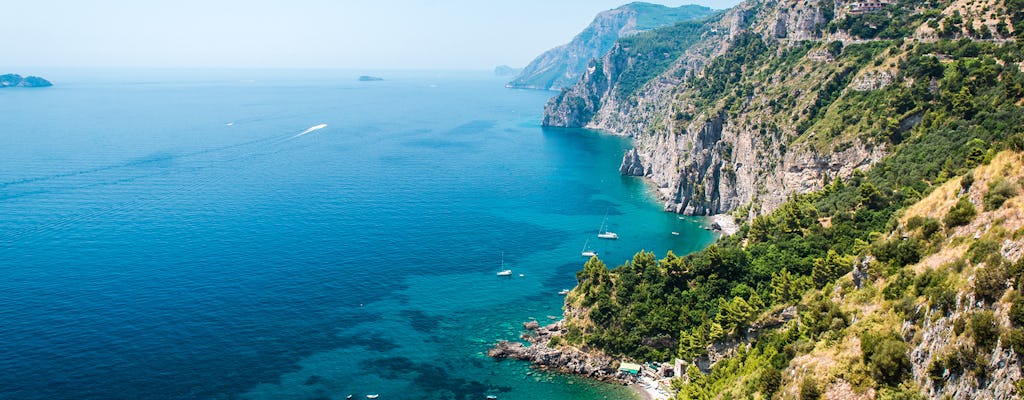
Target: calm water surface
(175, 234)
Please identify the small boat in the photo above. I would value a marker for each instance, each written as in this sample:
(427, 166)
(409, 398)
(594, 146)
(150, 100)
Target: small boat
(503, 271)
(348, 397)
(603, 234)
(492, 397)
(588, 253)
(675, 233)
(564, 292)
(372, 396)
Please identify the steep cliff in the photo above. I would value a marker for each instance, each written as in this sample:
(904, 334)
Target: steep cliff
(562, 66)
(739, 113)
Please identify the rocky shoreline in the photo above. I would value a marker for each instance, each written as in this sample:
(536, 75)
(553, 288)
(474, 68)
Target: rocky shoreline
(568, 360)
(724, 223)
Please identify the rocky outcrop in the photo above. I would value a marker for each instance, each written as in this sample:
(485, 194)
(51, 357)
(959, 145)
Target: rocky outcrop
(562, 66)
(563, 359)
(872, 80)
(631, 164)
(15, 80)
(1001, 366)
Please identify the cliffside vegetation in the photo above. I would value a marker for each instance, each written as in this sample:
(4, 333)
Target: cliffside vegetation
(904, 276)
(779, 97)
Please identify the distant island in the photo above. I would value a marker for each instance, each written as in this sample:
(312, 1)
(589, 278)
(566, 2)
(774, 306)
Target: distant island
(368, 78)
(15, 80)
(505, 70)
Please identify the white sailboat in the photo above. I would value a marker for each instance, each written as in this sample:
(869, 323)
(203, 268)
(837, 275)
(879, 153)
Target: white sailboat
(588, 253)
(503, 271)
(603, 234)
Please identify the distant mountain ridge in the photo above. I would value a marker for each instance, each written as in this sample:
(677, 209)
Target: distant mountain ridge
(562, 66)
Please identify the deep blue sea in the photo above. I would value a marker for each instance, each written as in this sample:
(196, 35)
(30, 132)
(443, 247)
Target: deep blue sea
(177, 235)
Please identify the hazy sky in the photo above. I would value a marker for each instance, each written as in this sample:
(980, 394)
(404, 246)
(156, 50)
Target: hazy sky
(394, 34)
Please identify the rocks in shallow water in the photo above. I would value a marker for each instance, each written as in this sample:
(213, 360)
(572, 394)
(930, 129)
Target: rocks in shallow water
(631, 165)
(563, 359)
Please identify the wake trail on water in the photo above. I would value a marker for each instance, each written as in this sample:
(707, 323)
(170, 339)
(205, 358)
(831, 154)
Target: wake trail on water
(311, 129)
(76, 180)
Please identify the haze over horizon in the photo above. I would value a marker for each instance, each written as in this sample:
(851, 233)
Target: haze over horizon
(410, 34)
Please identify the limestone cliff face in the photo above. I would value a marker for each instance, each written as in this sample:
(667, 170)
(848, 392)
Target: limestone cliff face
(740, 146)
(562, 66)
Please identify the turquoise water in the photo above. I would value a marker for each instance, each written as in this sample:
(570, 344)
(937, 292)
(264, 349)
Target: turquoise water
(173, 234)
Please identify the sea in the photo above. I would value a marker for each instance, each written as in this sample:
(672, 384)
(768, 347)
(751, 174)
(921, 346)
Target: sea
(298, 234)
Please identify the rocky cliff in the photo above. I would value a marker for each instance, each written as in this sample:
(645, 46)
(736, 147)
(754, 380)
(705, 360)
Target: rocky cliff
(735, 116)
(562, 66)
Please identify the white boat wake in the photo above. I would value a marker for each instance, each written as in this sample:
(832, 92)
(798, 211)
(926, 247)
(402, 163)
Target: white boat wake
(311, 129)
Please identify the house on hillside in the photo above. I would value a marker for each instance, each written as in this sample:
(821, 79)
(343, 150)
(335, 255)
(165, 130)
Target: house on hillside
(867, 6)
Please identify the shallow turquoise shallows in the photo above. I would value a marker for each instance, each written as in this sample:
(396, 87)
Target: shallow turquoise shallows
(199, 234)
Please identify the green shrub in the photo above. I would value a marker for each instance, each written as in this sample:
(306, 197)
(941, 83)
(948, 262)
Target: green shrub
(1017, 311)
(967, 181)
(985, 331)
(942, 298)
(936, 369)
(769, 381)
(809, 389)
(929, 228)
(897, 286)
(960, 214)
(982, 249)
(915, 222)
(886, 355)
(999, 190)
(903, 392)
(1017, 340)
(990, 283)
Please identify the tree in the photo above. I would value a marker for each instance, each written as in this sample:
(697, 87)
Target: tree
(870, 197)
(782, 286)
(828, 269)
(734, 315)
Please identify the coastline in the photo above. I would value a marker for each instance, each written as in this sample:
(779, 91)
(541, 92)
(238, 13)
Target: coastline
(642, 392)
(724, 223)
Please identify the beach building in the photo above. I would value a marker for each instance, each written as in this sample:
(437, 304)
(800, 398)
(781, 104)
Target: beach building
(629, 368)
